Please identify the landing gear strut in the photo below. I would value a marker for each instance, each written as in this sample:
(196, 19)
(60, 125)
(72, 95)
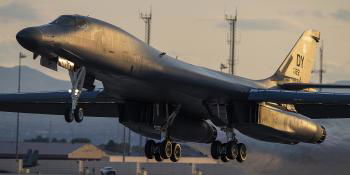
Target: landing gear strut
(77, 77)
(229, 151)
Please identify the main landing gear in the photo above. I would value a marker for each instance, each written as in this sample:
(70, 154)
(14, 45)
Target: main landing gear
(77, 77)
(165, 149)
(229, 151)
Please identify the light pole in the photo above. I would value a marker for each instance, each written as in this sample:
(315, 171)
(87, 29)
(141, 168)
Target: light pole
(129, 141)
(124, 144)
(20, 57)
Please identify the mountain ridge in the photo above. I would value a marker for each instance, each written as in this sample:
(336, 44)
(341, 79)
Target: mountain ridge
(31, 80)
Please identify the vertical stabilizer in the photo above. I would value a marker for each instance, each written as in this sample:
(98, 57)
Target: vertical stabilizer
(298, 65)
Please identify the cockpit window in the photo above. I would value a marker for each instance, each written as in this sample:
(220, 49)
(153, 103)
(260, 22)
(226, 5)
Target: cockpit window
(70, 21)
(65, 20)
(81, 22)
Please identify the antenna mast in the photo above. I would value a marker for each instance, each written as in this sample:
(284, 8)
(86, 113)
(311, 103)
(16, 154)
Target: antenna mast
(231, 41)
(321, 63)
(147, 18)
(321, 70)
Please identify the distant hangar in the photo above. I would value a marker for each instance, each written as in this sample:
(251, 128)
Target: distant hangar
(52, 151)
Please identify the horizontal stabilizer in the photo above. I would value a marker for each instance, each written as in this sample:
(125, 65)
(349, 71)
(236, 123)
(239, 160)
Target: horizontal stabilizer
(298, 97)
(301, 86)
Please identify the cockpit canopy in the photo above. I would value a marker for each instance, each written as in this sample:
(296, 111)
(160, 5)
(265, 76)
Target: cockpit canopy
(71, 20)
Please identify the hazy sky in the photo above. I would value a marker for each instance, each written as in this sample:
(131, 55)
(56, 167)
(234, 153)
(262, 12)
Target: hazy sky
(196, 30)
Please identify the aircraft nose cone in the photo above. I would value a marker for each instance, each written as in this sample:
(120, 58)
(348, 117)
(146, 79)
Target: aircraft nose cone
(29, 38)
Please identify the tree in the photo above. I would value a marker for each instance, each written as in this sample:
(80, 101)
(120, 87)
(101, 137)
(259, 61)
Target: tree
(54, 140)
(39, 139)
(80, 140)
(111, 146)
(63, 140)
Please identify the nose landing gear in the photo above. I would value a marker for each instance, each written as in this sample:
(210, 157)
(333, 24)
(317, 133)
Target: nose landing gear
(77, 77)
(77, 115)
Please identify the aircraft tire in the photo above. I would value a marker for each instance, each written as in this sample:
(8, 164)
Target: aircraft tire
(242, 152)
(68, 116)
(165, 149)
(231, 150)
(149, 149)
(215, 149)
(176, 152)
(224, 158)
(78, 115)
(158, 157)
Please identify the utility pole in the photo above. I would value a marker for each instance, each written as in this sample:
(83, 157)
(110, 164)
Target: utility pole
(147, 18)
(124, 144)
(129, 141)
(320, 71)
(20, 57)
(231, 41)
(50, 130)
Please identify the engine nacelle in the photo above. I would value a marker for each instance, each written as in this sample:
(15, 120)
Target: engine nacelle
(275, 124)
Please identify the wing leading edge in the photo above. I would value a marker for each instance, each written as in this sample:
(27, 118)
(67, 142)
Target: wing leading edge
(316, 105)
(94, 103)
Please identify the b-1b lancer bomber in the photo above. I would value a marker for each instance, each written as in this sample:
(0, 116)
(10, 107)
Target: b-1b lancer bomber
(169, 100)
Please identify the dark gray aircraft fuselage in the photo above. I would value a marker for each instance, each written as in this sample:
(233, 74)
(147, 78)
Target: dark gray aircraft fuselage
(156, 87)
(131, 70)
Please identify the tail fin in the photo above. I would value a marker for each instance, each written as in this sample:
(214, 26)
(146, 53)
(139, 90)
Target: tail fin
(298, 65)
